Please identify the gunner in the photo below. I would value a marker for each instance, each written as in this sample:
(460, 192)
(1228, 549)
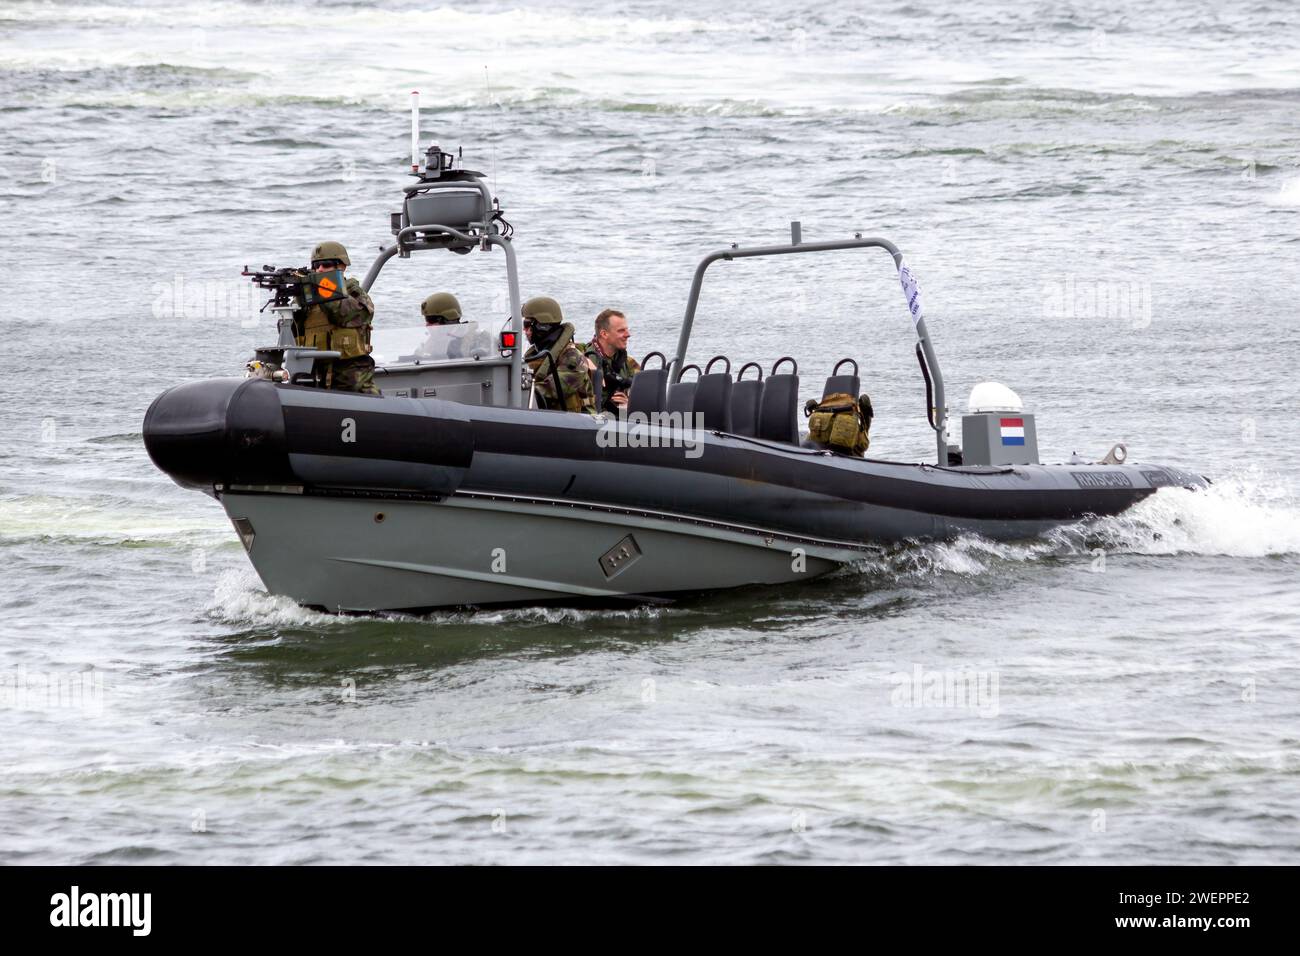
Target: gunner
(341, 326)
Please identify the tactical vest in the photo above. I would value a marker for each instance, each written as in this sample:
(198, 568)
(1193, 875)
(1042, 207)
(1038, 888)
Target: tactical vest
(840, 423)
(319, 333)
(546, 367)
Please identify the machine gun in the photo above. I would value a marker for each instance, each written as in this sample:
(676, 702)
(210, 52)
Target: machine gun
(285, 284)
(297, 287)
(293, 291)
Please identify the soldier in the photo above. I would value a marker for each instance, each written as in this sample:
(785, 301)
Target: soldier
(463, 339)
(608, 352)
(561, 373)
(341, 326)
(441, 308)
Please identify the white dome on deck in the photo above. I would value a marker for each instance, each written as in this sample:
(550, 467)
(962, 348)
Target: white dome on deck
(994, 397)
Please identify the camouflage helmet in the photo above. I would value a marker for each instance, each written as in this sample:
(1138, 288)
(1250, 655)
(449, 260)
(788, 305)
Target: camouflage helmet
(543, 310)
(442, 306)
(330, 250)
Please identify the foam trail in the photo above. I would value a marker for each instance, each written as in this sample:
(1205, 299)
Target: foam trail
(239, 599)
(104, 519)
(1245, 516)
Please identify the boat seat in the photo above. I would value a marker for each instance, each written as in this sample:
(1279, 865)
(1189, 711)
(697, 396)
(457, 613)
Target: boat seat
(649, 387)
(681, 396)
(846, 384)
(746, 394)
(778, 411)
(713, 396)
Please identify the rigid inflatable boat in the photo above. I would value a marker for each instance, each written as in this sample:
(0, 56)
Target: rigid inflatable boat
(452, 489)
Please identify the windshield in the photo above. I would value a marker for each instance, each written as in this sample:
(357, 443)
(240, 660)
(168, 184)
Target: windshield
(434, 343)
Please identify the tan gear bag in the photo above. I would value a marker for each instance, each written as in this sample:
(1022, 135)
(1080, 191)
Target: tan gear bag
(837, 422)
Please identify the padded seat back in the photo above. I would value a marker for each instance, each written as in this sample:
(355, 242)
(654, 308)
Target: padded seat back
(649, 387)
(847, 384)
(778, 412)
(713, 396)
(681, 396)
(745, 398)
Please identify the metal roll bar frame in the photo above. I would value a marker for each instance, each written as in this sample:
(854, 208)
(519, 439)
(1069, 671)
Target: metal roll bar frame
(937, 412)
(404, 247)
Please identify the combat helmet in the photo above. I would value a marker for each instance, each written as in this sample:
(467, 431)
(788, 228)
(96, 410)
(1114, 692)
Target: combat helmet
(330, 250)
(442, 307)
(543, 310)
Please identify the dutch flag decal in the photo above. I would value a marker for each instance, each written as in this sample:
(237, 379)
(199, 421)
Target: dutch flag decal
(1013, 431)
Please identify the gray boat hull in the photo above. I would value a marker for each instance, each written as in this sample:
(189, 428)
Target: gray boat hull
(366, 503)
(388, 555)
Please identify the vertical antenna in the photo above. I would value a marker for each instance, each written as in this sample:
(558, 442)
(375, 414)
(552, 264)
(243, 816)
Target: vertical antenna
(415, 131)
(487, 81)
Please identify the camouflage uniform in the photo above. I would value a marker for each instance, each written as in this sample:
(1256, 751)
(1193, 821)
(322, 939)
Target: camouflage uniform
(561, 378)
(620, 364)
(357, 375)
(344, 326)
(579, 392)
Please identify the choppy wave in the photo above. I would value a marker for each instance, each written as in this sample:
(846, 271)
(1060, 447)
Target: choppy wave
(394, 20)
(1247, 516)
(1241, 517)
(104, 520)
(568, 615)
(239, 599)
(829, 60)
(121, 438)
(392, 96)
